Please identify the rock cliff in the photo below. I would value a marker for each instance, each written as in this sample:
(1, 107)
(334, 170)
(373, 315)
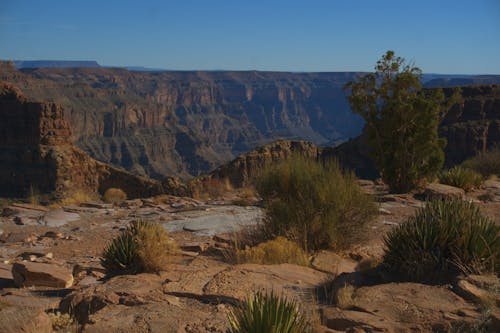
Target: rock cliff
(38, 156)
(187, 123)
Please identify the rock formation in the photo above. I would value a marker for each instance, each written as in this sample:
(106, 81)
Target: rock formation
(37, 154)
(187, 123)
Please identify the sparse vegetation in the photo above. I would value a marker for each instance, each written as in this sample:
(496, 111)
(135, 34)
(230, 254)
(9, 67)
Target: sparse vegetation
(142, 247)
(114, 195)
(77, 196)
(268, 313)
(276, 251)
(466, 179)
(210, 188)
(344, 297)
(441, 240)
(318, 206)
(487, 163)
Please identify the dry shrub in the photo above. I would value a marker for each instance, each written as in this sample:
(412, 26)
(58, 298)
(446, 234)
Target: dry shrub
(344, 297)
(317, 205)
(210, 188)
(487, 163)
(114, 195)
(276, 251)
(143, 247)
(155, 247)
(77, 196)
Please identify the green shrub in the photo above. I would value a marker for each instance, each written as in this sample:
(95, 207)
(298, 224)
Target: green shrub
(441, 240)
(114, 195)
(317, 205)
(143, 247)
(487, 163)
(268, 313)
(466, 179)
(276, 251)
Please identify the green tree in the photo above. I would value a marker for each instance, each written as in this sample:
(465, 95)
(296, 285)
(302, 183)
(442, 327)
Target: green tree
(401, 122)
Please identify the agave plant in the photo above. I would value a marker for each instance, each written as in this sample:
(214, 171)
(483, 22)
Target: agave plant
(268, 313)
(121, 254)
(443, 238)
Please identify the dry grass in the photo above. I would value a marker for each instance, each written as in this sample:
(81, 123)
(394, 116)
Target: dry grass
(156, 248)
(344, 297)
(276, 251)
(114, 195)
(76, 197)
(210, 188)
(64, 323)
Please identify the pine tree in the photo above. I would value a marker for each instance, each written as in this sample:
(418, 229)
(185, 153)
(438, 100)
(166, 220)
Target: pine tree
(402, 122)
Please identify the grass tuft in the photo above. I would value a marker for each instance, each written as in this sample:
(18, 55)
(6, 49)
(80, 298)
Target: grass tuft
(276, 251)
(114, 195)
(466, 179)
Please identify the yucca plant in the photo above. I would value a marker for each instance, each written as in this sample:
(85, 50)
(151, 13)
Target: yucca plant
(442, 239)
(121, 254)
(268, 313)
(142, 247)
(464, 178)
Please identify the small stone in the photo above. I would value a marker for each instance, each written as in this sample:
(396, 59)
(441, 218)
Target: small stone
(49, 255)
(384, 211)
(19, 220)
(53, 234)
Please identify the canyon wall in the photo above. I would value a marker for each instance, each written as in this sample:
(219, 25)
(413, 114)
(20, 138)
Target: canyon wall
(37, 154)
(187, 123)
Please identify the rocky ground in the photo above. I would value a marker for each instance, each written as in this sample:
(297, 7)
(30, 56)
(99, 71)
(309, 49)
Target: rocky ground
(50, 263)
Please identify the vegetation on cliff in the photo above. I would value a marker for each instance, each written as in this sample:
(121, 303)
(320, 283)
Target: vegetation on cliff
(401, 122)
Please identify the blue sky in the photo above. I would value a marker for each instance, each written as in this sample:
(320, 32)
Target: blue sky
(440, 36)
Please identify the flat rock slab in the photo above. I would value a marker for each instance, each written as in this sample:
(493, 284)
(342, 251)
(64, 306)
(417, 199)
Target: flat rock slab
(401, 307)
(442, 191)
(329, 262)
(28, 274)
(58, 217)
(216, 220)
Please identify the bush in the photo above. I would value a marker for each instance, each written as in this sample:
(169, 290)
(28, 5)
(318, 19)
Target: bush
(317, 205)
(276, 251)
(487, 163)
(114, 195)
(268, 313)
(466, 179)
(142, 247)
(441, 240)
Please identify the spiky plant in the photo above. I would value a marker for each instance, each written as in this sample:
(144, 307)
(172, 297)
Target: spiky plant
(442, 239)
(464, 178)
(121, 254)
(268, 313)
(142, 247)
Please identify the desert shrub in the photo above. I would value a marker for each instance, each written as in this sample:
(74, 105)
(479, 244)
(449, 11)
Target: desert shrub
(487, 163)
(442, 239)
(268, 313)
(142, 247)
(114, 195)
(76, 196)
(276, 251)
(466, 179)
(317, 205)
(344, 297)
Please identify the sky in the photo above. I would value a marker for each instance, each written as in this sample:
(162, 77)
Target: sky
(439, 36)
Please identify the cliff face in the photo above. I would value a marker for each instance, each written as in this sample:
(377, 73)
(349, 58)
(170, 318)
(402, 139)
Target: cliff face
(37, 153)
(187, 123)
(473, 125)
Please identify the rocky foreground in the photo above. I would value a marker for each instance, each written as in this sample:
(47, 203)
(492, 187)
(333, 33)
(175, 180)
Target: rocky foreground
(50, 264)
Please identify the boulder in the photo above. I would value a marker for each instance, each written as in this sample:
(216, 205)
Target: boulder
(482, 289)
(442, 191)
(329, 262)
(27, 274)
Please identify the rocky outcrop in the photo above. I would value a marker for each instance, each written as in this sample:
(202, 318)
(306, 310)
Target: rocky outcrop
(187, 123)
(472, 125)
(38, 157)
(30, 274)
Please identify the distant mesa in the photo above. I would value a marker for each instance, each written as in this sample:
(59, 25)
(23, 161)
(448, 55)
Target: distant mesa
(19, 64)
